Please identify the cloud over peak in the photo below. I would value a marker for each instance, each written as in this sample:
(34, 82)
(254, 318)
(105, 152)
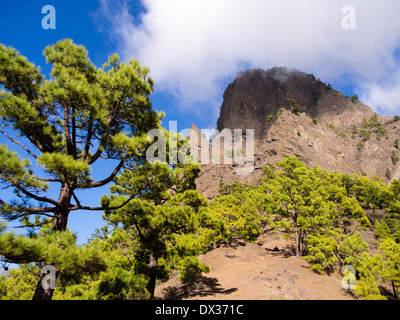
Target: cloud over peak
(193, 46)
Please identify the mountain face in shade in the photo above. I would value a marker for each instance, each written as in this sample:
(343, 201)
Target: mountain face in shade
(257, 94)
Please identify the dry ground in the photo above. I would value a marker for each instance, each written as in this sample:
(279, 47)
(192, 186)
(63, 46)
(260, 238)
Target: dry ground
(264, 270)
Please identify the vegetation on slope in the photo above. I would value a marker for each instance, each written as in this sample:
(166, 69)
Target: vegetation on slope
(155, 220)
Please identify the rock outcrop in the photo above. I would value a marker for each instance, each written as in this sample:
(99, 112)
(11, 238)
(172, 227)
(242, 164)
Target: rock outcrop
(329, 130)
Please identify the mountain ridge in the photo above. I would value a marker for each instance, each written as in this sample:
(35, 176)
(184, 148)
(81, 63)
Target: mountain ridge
(329, 129)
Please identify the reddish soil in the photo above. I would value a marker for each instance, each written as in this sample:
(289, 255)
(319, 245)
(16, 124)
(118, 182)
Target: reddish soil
(264, 270)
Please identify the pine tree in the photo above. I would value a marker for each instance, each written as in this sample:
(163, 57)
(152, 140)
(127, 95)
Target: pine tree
(366, 285)
(81, 116)
(391, 263)
(164, 228)
(57, 249)
(352, 248)
(372, 193)
(310, 202)
(295, 108)
(395, 189)
(292, 192)
(241, 217)
(321, 253)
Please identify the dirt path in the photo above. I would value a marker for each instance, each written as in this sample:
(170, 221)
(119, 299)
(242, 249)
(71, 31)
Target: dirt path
(265, 270)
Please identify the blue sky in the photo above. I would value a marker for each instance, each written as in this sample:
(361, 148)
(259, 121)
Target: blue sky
(195, 48)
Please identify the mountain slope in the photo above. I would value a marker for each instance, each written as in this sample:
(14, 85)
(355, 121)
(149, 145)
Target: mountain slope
(265, 270)
(331, 131)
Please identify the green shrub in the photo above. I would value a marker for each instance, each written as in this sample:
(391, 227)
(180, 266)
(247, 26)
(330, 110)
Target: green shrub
(321, 252)
(395, 158)
(354, 131)
(295, 108)
(374, 124)
(365, 134)
(331, 126)
(342, 134)
(351, 249)
(388, 173)
(242, 218)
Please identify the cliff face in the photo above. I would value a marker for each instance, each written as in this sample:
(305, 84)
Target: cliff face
(330, 130)
(257, 94)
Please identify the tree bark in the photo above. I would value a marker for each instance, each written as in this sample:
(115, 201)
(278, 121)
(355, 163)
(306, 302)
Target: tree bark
(40, 292)
(297, 241)
(151, 285)
(394, 290)
(60, 221)
(297, 236)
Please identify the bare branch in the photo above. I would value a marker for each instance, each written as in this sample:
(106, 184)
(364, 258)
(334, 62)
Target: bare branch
(67, 132)
(19, 143)
(49, 180)
(99, 151)
(33, 196)
(88, 139)
(107, 180)
(76, 198)
(74, 132)
(110, 119)
(80, 207)
(30, 210)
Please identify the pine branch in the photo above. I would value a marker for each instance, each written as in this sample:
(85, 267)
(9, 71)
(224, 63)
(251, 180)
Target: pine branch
(29, 210)
(133, 195)
(33, 196)
(80, 207)
(18, 143)
(67, 133)
(110, 119)
(88, 139)
(74, 133)
(107, 180)
(100, 149)
(49, 180)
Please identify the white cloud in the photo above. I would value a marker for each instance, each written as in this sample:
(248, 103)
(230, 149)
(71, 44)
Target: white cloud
(193, 46)
(384, 96)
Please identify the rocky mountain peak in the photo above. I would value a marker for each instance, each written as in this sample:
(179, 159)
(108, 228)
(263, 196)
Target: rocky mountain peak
(328, 129)
(258, 94)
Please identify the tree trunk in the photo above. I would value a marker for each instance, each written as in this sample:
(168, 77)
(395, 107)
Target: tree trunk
(394, 290)
(296, 228)
(40, 292)
(297, 241)
(60, 221)
(151, 285)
